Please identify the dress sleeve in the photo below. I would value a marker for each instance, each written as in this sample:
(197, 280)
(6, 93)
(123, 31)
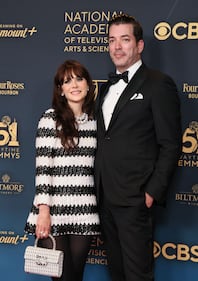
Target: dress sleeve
(45, 142)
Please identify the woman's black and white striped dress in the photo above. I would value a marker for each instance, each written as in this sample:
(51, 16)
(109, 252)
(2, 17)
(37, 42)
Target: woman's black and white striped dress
(64, 180)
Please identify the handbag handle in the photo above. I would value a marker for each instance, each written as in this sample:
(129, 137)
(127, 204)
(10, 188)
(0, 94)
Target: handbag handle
(53, 242)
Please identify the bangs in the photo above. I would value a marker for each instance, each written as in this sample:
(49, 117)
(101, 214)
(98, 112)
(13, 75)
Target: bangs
(68, 70)
(74, 70)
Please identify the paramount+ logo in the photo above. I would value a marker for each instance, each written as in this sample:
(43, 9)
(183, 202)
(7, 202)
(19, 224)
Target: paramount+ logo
(179, 31)
(172, 251)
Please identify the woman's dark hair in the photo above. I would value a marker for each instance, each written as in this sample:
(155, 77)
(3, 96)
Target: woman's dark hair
(66, 125)
(126, 19)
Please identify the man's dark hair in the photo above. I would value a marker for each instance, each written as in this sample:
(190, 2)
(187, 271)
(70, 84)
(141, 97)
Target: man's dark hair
(126, 19)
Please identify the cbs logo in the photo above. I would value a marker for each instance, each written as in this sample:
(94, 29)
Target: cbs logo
(180, 252)
(179, 31)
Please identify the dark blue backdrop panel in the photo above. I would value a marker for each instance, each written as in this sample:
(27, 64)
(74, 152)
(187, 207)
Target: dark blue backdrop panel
(34, 39)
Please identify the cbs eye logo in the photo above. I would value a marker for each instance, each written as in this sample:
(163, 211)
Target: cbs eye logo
(162, 31)
(179, 31)
(156, 249)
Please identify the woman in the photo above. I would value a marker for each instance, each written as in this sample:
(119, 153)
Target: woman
(65, 203)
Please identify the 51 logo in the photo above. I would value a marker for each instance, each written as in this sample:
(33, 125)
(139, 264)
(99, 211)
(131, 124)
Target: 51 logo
(97, 84)
(8, 132)
(190, 138)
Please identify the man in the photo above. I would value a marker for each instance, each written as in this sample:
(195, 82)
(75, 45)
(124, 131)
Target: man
(139, 142)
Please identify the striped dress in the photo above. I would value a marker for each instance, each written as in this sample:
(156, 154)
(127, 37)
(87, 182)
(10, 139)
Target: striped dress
(64, 180)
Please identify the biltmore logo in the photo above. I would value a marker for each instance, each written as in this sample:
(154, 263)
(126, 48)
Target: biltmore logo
(188, 198)
(8, 187)
(9, 144)
(179, 31)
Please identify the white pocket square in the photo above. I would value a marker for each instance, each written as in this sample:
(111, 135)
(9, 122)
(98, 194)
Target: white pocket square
(137, 96)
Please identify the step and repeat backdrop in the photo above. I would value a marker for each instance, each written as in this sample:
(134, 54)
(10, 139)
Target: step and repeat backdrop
(35, 38)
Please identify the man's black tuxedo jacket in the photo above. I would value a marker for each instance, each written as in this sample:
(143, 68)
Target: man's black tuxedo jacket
(139, 151)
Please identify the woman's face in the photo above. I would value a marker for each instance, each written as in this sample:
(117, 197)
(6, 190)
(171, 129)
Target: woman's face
(75, 89)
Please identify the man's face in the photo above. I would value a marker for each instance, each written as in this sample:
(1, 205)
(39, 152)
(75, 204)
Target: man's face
(123, 48)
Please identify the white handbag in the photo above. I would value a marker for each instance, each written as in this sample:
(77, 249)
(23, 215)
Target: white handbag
(43, 261)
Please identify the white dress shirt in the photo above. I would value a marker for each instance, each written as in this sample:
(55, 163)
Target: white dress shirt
(115, 92)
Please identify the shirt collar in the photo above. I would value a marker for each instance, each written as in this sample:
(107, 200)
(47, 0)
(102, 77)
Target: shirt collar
(133, 68)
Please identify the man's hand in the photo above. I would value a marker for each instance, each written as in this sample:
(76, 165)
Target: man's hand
(148, 200)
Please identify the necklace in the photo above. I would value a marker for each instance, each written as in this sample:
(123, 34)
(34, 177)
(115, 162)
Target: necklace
(82, 119)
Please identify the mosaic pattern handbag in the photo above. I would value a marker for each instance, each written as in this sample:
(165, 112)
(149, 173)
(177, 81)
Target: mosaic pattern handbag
(43, 261)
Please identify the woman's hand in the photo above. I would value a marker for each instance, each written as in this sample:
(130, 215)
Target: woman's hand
(43, 225)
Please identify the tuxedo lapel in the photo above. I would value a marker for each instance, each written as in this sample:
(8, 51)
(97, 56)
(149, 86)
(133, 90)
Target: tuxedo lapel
(100, 98)
(128, 92)
(99, 101)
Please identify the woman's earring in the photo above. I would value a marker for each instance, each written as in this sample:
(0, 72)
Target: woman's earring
(62, 94)
(87, 89)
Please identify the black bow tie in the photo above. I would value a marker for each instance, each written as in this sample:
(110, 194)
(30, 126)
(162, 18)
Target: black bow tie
(114, 78)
